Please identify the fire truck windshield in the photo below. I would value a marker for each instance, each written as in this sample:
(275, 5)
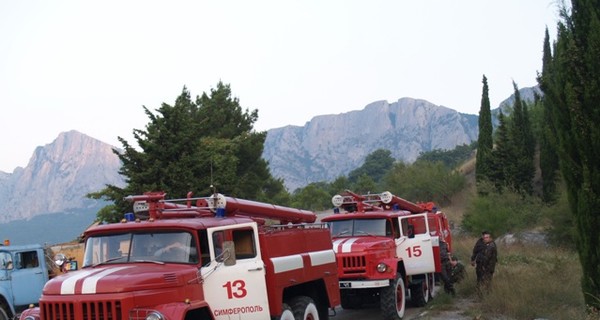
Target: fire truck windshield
(179, 247)
(360, 227)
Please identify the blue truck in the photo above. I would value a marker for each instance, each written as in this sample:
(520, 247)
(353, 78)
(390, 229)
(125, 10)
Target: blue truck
(23, 274)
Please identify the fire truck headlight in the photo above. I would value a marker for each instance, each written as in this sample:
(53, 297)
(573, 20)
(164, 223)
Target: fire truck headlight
(155, 315)
(382, 267)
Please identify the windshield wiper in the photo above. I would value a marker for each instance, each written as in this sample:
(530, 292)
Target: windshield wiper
(107, 261)
(149, 261)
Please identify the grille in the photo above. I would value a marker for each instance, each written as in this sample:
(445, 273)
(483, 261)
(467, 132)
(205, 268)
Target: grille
(354, 264)
(96, 310)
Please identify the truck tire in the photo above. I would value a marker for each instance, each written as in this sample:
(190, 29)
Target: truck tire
(304, 308)
(3, 313)
(419, 292)
(286, 313)
(393, 299)
(432, 289)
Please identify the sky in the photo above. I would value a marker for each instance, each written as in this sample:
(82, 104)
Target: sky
(91, 66)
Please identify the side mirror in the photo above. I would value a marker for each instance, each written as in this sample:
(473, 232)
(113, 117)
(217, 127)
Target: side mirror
(60, 259)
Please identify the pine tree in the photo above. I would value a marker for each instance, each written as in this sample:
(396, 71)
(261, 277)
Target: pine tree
(575, 79)
(485, 142)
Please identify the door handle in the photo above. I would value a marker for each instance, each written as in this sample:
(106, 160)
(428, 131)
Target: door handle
(256, 269)
(425, 240)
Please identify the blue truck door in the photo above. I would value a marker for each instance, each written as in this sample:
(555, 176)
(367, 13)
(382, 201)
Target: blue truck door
(28, 277)
(6, 267)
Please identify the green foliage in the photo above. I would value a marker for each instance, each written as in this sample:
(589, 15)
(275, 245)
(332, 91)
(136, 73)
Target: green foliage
(512, 165)
(375, 166)
(571, 81)
(548, 144)
(365, 184)
(485, 142)
(519, 169)
(312, 197)
(501, 213)
(423, 181)
(450, 158)
(339, 185)
(561, 230)
(192, 146)
(500, 154)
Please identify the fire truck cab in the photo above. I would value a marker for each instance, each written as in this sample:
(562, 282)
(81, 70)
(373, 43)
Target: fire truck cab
(387, 248)
(215, 259)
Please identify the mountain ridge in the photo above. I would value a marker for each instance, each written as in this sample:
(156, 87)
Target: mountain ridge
(60, 174)
(311, 153)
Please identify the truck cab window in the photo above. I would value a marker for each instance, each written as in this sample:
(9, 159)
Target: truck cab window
(175, 246)
(27, 260)
(245, 248)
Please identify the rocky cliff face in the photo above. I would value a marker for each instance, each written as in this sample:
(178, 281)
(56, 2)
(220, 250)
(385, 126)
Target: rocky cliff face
(332, 145)
(58, 177)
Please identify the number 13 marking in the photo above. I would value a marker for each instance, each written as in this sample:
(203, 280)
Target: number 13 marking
(236, 289)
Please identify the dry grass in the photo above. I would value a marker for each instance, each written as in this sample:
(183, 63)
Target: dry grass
(531, 282)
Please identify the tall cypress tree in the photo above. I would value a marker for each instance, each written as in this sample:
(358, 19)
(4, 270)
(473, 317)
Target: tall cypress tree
(548, 155)
(520, 172)
(576, 113)
(485, 142)
(501, 154)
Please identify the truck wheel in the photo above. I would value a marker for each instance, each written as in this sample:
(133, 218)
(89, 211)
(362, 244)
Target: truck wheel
(286, 313)
(304, 308)
(432, 289)
(3, 314)
(419, 292)
(393, 299)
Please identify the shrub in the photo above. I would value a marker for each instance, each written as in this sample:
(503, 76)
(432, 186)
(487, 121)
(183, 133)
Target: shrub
(500, 213)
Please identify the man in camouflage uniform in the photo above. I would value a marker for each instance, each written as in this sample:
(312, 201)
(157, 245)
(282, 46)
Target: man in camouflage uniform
(485, 256)
(446, 273)
(458, 270)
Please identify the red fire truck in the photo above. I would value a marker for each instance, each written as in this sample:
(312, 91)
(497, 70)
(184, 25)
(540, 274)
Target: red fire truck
(387, 248)
(199, 258)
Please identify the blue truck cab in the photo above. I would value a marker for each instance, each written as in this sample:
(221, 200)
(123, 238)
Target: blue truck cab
(23, 274)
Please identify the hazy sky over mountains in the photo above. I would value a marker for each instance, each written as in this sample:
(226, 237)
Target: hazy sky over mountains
(91, 65)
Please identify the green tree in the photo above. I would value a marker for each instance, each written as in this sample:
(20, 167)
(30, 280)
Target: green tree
(376, 165)
(548, 155)
(501, 154)
(519, 173)
(450, 158)
(574, 82)
(424, 181)
(194, 146)
(365, 184)
(485, 142)
(312, 197)
(339, 185)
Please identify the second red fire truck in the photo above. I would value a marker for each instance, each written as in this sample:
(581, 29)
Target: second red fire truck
(387, 248)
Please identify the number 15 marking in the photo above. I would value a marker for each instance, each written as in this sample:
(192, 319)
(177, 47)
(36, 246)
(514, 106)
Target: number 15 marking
(414, 251)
